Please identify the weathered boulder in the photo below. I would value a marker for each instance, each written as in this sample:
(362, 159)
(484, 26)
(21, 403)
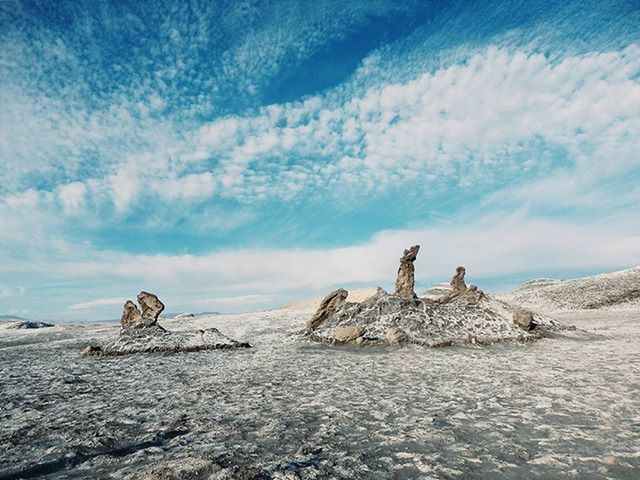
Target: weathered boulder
(523, 318)
(329, 305)
(406, 273)
(151, 306)
(347, 333)
(396, 335)
(131, 316)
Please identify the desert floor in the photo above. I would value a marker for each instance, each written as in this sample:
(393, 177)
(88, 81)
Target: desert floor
(564, 407)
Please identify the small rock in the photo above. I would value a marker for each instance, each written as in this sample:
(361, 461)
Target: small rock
(523, 318)
(396, 335)
(437, 343)
(347, 333)
(309, 450)
(92, 350)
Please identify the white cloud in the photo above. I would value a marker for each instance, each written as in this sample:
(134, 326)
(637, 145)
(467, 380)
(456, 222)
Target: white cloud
(72, 196)
(100, 302)
(470, 124)
(464, 121)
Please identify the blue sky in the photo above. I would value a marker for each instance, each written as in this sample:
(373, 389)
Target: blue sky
(240, 155)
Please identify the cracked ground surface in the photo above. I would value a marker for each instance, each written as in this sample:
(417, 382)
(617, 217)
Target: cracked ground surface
(561, 407)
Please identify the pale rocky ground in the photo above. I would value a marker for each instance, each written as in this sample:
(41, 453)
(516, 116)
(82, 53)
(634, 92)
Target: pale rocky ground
(563, 407)
(614, 290)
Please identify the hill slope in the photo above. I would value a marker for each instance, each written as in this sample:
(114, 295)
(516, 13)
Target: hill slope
(619, 289)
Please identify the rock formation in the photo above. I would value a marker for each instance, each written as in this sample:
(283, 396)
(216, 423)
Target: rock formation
(155, 339)
(459, 291)
(329, 305)
(151, 306)
(458, 286)
(131, 316)
(463, 315)
(406, 276)
(141, 333)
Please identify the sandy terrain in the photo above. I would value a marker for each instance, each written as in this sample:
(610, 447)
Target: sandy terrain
(561, 407)
(356, 295)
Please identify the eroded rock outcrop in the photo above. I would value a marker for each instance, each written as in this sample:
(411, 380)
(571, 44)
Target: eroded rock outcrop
(329, 305)
(405, 281)
(141, 333)
(131, 316)
(462, 315)
(155, 339)
(459, 291)
(151, 307)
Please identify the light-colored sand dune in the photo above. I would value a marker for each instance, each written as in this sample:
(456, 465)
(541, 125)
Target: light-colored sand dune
(356, 295)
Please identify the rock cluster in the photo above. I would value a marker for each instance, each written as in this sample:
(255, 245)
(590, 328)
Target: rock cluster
(141, 333)
(461, 314)
(151, 307)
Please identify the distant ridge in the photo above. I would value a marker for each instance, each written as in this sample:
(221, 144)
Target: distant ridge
(11, 318)
(612, 290)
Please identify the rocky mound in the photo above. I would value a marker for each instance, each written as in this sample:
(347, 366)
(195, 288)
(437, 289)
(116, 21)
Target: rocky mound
(29, 324)
(141, 333)
(606, 291)
(157, 339)
(461, 314)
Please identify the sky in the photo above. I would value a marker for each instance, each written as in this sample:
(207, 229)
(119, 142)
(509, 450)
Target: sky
(234, 156)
